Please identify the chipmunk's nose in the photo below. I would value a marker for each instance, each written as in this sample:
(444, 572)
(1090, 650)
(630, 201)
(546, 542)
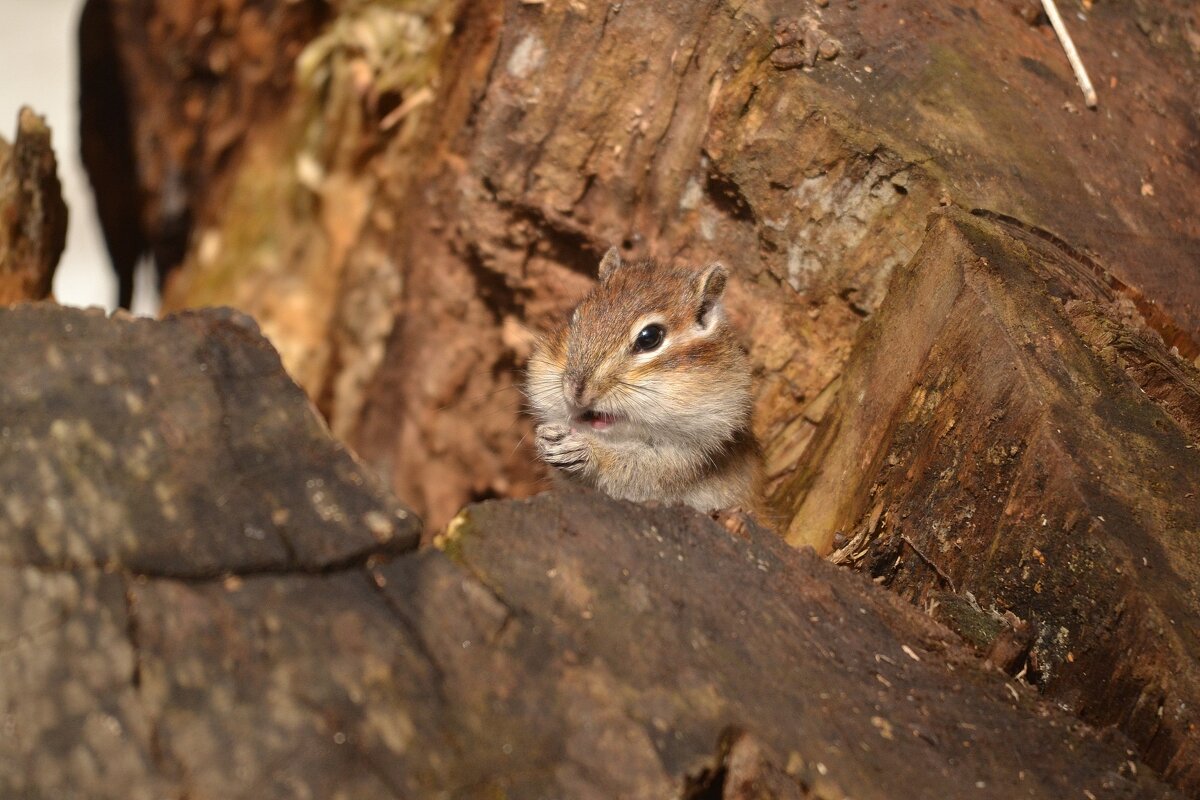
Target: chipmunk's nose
(575, 387)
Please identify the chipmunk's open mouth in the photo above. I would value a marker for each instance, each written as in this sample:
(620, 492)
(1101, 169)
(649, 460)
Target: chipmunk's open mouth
(597, 420)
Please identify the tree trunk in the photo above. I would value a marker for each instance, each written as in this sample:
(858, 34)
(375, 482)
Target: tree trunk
(1011, 430)
(440, 177)
(402, 193)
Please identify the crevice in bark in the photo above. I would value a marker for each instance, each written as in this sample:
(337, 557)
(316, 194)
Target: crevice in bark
(352, 562)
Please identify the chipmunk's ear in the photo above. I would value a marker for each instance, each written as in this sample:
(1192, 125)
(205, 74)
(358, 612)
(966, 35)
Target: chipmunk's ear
(610, 263)
(711, 288)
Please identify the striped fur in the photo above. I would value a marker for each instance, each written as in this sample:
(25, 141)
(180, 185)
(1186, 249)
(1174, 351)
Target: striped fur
(683, 429)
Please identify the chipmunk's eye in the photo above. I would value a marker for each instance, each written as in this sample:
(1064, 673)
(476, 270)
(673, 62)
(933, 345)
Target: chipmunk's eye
(649, 338)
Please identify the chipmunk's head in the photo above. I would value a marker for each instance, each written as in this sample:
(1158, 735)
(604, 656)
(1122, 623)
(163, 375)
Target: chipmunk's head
(648, 355)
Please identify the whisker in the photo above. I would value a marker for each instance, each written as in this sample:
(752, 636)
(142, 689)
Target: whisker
(542, 391)
(646, 390)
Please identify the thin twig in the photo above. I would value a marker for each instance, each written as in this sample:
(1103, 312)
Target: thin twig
(931, 563)
(1085, 83)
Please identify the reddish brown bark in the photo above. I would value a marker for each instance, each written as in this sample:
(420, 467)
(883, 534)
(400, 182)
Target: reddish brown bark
(169, 94)
(535, 135)
(440, 178)
(1009, 429)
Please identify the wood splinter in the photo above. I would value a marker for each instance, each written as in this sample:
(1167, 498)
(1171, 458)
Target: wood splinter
(1081, 76)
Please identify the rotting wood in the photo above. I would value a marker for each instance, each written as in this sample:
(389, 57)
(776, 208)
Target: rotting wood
(33, 216)
(1040, 463)
(417, 260)
(556, 130)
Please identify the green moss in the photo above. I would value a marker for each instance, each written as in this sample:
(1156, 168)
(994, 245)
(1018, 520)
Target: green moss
(451, 541)
(968, 620)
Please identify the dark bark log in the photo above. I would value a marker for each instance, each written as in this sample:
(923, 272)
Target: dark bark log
(33, 216)
(177, 448)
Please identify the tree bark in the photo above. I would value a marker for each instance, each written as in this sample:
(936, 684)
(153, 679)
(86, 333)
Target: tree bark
(1010, 429)
(33, 216)
(169, 95)
(436, 181)
(443, 176)
(208, 596)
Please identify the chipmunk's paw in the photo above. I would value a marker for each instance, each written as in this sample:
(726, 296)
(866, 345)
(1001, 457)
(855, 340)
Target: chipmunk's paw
(561, 447)
(735, 520)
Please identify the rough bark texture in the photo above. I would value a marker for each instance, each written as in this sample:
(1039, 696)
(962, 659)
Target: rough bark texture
(1012, 442)
(138, 455)
(208, 599)
(33, 216)
(1009, 426)
(175, 448)
(466, 163)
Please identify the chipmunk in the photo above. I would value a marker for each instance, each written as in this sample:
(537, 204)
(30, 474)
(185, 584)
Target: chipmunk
(645, 393)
